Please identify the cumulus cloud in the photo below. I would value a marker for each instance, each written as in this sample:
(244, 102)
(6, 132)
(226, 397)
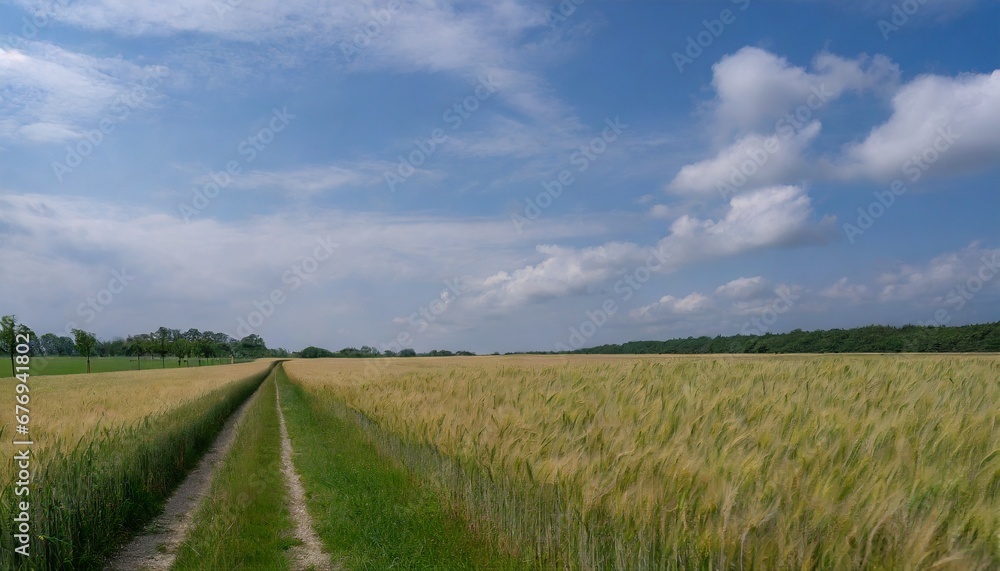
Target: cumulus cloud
(745, 289)
(735, 300)
(939, 125)
(564, 271)
(756, 88)
(751, 162)
(670, 305)
(770, 217)
(973, 267)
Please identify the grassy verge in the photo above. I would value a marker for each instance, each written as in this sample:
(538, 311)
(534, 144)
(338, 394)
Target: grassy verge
(244, 522)
(41, 366)
(87, 499)
(368, 510)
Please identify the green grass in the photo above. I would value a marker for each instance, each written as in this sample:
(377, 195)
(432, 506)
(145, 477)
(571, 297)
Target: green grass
(368, 510)
(244, 523)
(88, 498)
(74, 365)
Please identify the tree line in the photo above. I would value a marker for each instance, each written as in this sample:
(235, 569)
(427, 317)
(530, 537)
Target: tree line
(870, 339)
(368, 352)
(163, 342)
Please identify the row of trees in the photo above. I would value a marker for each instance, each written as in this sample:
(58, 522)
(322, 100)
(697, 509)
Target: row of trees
(161, 343)
(871, 339)
(366, 351)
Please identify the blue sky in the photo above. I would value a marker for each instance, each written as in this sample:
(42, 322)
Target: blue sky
(504, 176)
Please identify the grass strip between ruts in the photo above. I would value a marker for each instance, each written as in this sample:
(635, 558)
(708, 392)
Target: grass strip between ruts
(367, 508)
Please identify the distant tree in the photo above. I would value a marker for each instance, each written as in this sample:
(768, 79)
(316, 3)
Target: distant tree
(10, 329)
(407, 353)
(132, 347)
(202, 348)
(138, 345)
(113, 348)
(162, 339)
(315, 353)
(252, 346)
(49, 344)
(85, 342)
(66, 347)
(180, 348)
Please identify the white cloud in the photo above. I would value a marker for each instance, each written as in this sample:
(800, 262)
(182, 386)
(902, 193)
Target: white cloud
(564, 271)
(312, 180)
(970, 266)
(668, 304)
(745, 289)
(846, 291)
(751, 162)
(771, 217)
(757, 88)
(729, 304)
(48, 93)
(66, 248)
(660, 212)
(941, 125)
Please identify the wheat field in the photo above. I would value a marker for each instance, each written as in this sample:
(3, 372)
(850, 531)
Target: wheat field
(67, 407)
(645, 462)
(108, 450)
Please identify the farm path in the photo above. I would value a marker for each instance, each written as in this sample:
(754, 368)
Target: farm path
(156, 548)
(308, 555)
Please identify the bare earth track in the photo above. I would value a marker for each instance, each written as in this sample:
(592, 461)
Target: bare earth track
(156, 548)
(308, 555)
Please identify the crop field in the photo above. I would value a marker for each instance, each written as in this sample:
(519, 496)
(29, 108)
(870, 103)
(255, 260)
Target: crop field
(73, 408)
(520, 462)
(859, 461)
(108, 448)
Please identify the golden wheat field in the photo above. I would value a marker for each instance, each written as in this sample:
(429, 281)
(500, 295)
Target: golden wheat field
(852, 461)
(66, 407)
